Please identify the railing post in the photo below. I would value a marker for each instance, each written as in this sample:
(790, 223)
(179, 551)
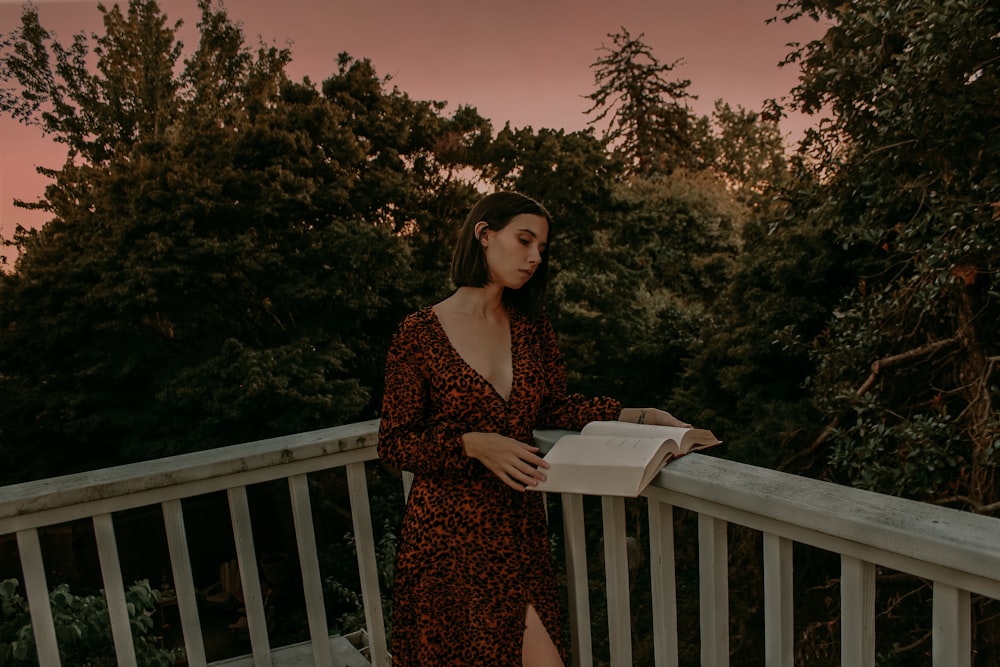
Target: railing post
(312, 580)
(857, 612)
(187, 600)
(779, 644)
(253, 599)
(576, 580)
(713, 568)
(357, 487)
(114, 590)
(616, 576)
(37, 591)
(952, 630)
(664, 583)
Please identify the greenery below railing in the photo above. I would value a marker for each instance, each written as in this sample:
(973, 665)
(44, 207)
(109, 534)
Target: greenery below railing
(82, 627)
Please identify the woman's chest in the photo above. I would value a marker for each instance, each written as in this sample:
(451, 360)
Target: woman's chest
(460, 389)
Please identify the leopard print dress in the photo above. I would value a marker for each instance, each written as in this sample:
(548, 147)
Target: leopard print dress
(474, 553)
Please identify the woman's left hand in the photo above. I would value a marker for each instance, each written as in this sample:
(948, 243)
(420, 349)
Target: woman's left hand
(650, 416)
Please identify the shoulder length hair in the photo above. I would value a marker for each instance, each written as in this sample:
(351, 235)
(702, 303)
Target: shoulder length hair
(468, 264)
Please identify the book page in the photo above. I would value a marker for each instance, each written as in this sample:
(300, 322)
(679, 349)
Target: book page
(603, 450)
(686, 438)
(635, 430)
(601, 481)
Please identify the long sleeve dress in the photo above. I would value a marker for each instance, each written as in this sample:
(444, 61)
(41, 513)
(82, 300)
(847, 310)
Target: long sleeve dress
(474, 553)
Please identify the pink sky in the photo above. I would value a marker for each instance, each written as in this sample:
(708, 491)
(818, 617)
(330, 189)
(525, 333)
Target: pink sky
(523, 61)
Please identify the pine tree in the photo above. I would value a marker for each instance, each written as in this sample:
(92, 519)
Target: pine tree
(648, 121)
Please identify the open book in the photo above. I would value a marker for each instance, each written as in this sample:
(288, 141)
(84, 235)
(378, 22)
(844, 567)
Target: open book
(612, 458)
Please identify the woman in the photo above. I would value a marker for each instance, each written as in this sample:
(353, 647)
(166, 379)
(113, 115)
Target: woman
(467, 381)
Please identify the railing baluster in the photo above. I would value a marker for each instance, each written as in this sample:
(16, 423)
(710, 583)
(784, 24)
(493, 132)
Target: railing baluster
(357, 487)
(37, 591)
(713, 569)
(616, 574)
(857, 612)
(952, 638)
(253, 600)
(577, 584)
(187, 597)
(663, 582)
(779, 642)
(312, 580)
(114, 590)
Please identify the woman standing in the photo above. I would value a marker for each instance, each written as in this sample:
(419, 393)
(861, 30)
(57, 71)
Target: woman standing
(467, 381)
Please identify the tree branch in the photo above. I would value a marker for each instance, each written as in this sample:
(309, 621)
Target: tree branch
(878, 365)
(974, 506)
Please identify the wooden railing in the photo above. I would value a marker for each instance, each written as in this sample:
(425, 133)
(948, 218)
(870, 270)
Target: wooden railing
(26, 508)
(959, 552)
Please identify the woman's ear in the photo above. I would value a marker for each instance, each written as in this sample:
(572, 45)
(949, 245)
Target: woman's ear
(480, 229)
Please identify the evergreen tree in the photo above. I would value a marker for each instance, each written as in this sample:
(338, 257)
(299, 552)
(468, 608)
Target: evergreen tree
(648, 121)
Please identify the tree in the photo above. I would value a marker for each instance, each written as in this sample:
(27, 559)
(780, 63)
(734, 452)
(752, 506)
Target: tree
(893, 215)
(648, 123)
(130, 97)
(912, 189)
(749, 153)
(570, 172)
(209, 276)
(414, 181)
(748, 372)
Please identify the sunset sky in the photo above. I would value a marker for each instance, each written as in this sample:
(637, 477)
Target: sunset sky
(523, 61)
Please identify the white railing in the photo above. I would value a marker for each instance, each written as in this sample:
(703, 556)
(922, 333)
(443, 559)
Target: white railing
(959, 552)
(97, 495)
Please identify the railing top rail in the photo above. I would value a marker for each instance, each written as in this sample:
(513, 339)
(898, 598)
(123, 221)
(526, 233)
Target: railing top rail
(917, 530)
(938, 535)
(95, 485)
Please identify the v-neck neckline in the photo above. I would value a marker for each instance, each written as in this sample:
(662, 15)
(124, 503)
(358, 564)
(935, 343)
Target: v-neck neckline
(454, 351)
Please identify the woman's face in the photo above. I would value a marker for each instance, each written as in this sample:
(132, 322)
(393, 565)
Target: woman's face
(515, 252)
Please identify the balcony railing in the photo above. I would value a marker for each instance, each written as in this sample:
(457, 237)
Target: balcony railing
(959, 552)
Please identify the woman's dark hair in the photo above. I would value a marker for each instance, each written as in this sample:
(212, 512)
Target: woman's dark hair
(468, 264)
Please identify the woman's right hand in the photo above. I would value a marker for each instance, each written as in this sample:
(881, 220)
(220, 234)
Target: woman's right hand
(515, 463)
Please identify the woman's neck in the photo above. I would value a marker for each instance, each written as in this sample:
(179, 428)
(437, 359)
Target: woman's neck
(485, 302)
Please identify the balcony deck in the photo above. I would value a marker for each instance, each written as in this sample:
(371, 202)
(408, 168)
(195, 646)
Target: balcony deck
(958, 552)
